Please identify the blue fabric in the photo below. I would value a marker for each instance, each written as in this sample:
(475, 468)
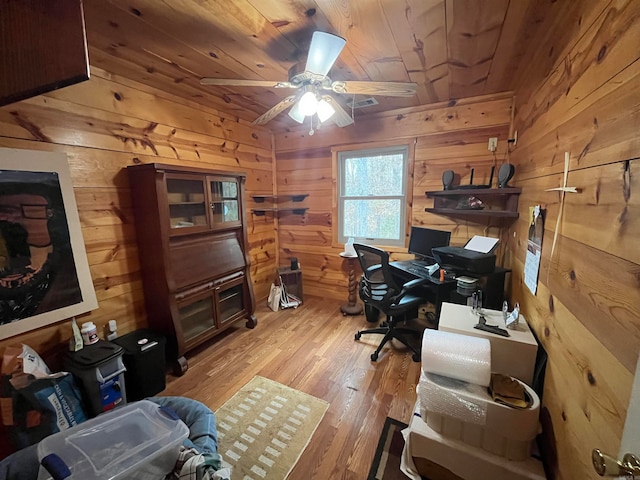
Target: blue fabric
(203, 436)
(21, 465)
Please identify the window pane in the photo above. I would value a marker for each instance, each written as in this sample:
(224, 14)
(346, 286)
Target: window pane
(375, 175)
(231, 211)
(224, 189)
(372, 218)
(229, 189)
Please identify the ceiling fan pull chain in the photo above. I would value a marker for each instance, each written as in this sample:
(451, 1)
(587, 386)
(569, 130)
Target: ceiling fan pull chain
(311, 132)
(353, 105)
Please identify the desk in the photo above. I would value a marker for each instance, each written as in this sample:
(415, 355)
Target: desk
(491, 284)
(435, 291)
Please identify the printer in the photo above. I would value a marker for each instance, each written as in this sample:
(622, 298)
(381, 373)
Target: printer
(475, 257)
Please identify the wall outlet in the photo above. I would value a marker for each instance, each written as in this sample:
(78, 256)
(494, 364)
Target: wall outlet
(493, 144)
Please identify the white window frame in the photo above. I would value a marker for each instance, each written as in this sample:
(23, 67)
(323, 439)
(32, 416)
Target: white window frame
(342, 155)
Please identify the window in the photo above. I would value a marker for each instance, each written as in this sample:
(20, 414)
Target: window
(372, 189)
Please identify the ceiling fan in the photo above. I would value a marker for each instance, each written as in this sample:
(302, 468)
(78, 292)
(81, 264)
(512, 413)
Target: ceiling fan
(314, 86)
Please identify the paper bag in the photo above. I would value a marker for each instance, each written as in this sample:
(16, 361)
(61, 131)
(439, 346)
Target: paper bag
(275, 294)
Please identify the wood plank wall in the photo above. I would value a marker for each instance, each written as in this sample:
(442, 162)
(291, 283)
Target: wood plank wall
(102, 126)
(446, 136)
(578, 92)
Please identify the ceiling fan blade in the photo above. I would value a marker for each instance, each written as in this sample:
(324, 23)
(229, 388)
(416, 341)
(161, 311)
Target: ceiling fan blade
(275, 110)
(296, 113)
(390, 89)
(245, 83)
(341, 118)
(323, 52)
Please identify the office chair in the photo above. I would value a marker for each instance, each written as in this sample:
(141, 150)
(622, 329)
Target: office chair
(379, 289)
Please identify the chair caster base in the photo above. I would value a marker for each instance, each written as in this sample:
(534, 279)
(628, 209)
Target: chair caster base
(357, 336)
(416, 358)
(374, 357)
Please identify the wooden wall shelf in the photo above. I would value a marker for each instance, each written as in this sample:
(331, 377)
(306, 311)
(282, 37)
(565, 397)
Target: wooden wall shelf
(501, 204)
(259, 212)
(277, 199)
(280, 198)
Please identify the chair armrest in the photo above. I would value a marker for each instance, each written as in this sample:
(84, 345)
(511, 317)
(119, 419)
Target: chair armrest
(407, 287)
(374, 268)
(417, 282)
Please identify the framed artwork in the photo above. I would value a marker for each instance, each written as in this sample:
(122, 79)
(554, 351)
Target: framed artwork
(534, 248)
(44, 273)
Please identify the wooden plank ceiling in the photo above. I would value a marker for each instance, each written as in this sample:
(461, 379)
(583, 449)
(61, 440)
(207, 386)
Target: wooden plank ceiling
(451, 48)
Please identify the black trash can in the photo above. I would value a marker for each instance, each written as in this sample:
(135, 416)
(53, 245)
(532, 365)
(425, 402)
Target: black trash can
(99, 370)
(145, 362)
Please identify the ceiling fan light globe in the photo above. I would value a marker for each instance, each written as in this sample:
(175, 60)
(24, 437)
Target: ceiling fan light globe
(296, 114)
(308, 104)
(325, 110)
(323, 52)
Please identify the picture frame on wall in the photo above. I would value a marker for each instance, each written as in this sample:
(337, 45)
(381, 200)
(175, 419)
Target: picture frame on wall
(44, 271)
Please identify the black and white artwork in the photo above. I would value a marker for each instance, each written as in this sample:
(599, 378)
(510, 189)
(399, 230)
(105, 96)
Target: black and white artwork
(44, 273)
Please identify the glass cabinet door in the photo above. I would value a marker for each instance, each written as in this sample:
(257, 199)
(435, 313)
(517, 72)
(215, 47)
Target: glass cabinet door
(197, 317)
(230, 301)
(187, 203)
(225, 201)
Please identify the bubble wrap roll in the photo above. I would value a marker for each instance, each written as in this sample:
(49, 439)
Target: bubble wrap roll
(457, 356)
(463, 401)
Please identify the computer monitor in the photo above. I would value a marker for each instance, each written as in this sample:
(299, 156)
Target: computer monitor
(422, 240)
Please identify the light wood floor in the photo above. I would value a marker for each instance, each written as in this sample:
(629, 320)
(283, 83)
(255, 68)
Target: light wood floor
(312, 348)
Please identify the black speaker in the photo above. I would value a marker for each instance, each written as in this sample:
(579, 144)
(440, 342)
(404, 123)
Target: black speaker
(447, 179)
(504, 174)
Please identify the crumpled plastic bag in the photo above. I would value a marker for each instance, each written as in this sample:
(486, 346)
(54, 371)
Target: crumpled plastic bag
(28, 366)
(35, 402)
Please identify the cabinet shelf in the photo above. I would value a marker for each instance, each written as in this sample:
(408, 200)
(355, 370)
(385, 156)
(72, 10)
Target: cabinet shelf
(197, 330)
(184, 204)
(229, 296)
(195, 312)
(501, 204)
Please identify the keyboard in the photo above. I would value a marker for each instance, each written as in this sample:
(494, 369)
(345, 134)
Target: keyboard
(419, 271)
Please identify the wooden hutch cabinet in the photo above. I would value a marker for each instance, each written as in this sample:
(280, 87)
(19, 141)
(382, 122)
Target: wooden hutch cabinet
(192, 241)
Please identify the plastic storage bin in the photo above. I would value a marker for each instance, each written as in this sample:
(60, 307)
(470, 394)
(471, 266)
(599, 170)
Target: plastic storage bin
(100, 372)
(145, 363)
(139, 441)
